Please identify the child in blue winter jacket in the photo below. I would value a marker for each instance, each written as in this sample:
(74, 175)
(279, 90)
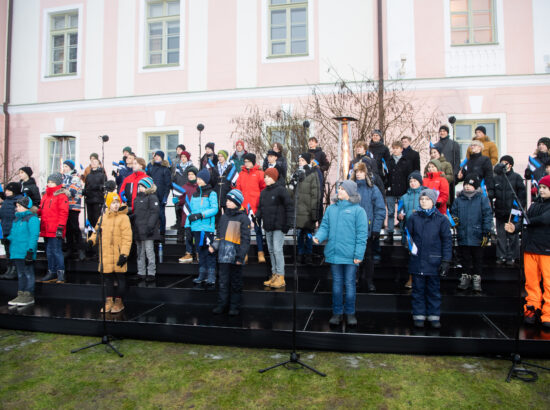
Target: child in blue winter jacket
(202, 221)
(23, 243)
(430, 244)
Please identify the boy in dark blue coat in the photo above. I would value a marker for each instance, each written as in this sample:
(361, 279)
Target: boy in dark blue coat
(430, 244)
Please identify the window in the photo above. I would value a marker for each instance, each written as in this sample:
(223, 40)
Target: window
(163, 32)
(63, 43)
(472, 22)
(465, 131)
(60, 148)
(165, 141)
(288, 28)
(292, 138)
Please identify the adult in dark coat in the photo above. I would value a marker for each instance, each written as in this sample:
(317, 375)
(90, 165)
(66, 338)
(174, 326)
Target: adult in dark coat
(93, 190)
(159, 171)
(379, 151)
(29, 187)
(318, 154)
(449, 148)
(479, 165)
(397, 183)
(408, 152)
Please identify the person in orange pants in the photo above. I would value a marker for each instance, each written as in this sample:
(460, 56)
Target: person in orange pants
(536, 256)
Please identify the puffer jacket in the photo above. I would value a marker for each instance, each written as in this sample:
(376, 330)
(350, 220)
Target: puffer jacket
(190, 189)
(345, 229)
(162, 177)
(490, 149)
(129, 188)
(276, 209)
(437, 182)
(309, 195)
(234, 236)
(446, 168)
(504, 197)
(475, 218)
(7, 214)
(30, 189)
(116, 239)
(73, 184)
(373, 204)
(318, 154)
(411, 201)
(204, 201)
(431, 233)
(24, 235)
(53, 211)
(251, 183)
(480, 165)
(93, 186)
(537, 232)
(147, 217)
(397, 178)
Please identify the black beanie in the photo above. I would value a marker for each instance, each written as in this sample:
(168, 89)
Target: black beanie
(545, 141)
(25, 202)
(210, 145)
(250, 157)
(508, 159)
(306, 156)
(482, 129)
(14, 187)
(444, 127)
(472, 180)
(26, 170)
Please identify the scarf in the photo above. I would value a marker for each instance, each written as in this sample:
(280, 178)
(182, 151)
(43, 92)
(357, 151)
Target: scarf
(427, 211)
(222, 167)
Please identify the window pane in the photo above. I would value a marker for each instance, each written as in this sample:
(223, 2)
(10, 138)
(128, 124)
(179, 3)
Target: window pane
(460, 37)
(275, 2)
(277, 136)
(278, 17)
(298, 16)
(459, 5)
(464, 132)
(73, 20)
(482, 20)
(298, 47)
(154, 142)
(155, 44)
(173, 27)
(298, 32)
(173, 8)
(73, 39)
(72, 53)
(155, 29)
(481, 4)
(173, 57)
(171, 142)
(58, 41)
(58, 22)
(155, 10)
(298, 1)
(483, 36)
(155, 59)
(459, 20)
(278, 48)
(58, 68)
(278, 33)
(173, 43)
(58, 54)
(72, 67)
(490, 127)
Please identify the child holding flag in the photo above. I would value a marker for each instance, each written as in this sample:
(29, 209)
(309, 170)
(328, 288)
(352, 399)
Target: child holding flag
(184, 202)
(430, 243)
(537, 163)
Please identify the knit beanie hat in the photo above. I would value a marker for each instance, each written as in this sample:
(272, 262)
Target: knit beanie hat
(147, 182)
(545, 141)
(56, 178)
(182, 147)
(204, 174)
(274, 153)
(445, 128)
(127, 149)
(210, 145)
(236, 197)
(14, 187)
(272, 173)
(25, 202)
(437, 148)
(416, 175)
(239, 142)
(508, 159)
(545, 181)
(186, 155)
(94, 155)
(192, 169)
(306, 156)
(436, 163)
(69, 163)
(112, 196)
(250, 157)
(430, 193)
(377, 132)
(482, 129)
(26, 170)
(350, 187)
(160, 154)
(473, 180)
(224, 153)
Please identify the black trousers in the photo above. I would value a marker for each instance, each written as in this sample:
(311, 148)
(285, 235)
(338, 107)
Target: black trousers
(6, 244)
(115, 285)
(74, 235)
(94, 212)
(230, 285)
(472, 259)
(366, 268)
(180, 229)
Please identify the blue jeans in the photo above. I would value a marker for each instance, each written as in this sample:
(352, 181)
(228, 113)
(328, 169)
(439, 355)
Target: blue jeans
(54, 253)
(162, 215)
(207, 260)
(25, 275)
(426, 297)
(304, 242)
(259, 238)
(343, 275)
(391, 201)
(189, 245)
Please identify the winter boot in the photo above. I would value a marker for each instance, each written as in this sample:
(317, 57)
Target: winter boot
(219, 309)
(476, 279)
(529, 315)
(465, 281)
(60, 276)
(234, 311)
(11, 273)
(81, 255)
(370, 286)
(26, 299)
(271, 279)
(436, 324)
(118, 306)
(408, 285)
(308, 259)
(278, 282)
(419, 323)
(335, 320)
(49, 278)
(261, 257)
(351, 320)
(15, 301)
(187, 258)
(108, 305)
(389, 238)
(201, 278)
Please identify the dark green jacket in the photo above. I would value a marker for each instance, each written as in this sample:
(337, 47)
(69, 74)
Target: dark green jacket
(309, 194)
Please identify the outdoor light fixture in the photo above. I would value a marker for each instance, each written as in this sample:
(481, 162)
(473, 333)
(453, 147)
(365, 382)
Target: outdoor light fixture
(345, 148)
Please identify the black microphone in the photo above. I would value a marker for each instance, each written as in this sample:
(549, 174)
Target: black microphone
(104, 138)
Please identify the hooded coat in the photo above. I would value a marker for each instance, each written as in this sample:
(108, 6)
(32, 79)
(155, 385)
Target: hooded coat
(7, 213)
(93, 186)
(373, 204)
(147, 217)
(116, 239)
(24, 235)
(162, 177)
(489, 149)
(475, 218)
(204, 201)
(437, 182)
(411, 201)
(309, 194)
(251, 183)
(446, 168)
(129, 188)
(30, 189)
(276, 209)
(53, 211)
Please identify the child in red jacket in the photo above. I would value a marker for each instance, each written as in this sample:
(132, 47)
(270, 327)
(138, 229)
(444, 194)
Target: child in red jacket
(53, 213)
(435, 179)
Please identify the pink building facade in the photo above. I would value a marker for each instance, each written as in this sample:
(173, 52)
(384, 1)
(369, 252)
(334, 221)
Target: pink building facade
(146, 72)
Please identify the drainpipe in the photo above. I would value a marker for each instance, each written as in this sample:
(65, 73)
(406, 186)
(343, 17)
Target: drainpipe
(381, 119)
(7, 91)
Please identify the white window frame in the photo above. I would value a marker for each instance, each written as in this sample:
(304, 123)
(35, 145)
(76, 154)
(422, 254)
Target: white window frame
(500, 117)
(144, 66)
(44, 159)
(46, 76)
(494, 26)
(143, 133)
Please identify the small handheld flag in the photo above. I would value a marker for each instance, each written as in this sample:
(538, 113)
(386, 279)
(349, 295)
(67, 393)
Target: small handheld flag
(178, 188)
(451, 220)
(209, 164)
(533, 163)
(483, 187)
(432, 145)
(412, 246)
(463, 163)
(384, 166)
(233, 175)
(515, 211)
(89, 228)
(400, 206)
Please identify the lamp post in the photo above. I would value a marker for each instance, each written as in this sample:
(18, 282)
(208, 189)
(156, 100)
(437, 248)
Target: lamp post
(345, 145)
(200, 127)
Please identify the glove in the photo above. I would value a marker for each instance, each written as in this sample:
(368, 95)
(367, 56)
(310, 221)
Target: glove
(194, 217)
(485, 239)
(455, 219)
(114, 174)
(175, 200)
(444, 268)
(29, 258)
(59, 232)
(375, 236)
(122, 260)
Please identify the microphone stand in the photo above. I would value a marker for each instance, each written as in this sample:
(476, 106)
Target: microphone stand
(294, 356)
(106, 339)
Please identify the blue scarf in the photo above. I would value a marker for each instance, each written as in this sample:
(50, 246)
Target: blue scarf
(427, 211)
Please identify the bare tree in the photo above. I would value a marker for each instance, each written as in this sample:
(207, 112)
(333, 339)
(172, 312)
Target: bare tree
(14, 164)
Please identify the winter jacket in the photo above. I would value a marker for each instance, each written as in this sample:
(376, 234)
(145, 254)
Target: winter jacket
(123, 173)
(204, 201)
(179, 176)
(204, 160)
(309, 193)
(537, 174)
(446, 168)
(24, 235)
(411, 201)
(93, 186)
(146, 215)
(490, 149)
(73, 184)
(397, 180)
(282, 167)
(437, 182)
(318, 155)
(451, 150)
(251, 183)
(190, 189)
(238, 162)
(373, 204)
(504, 197)
(276, 209)
(234, 236)
(53, 211)
(223, 183)
(30, 189)
(413, 157)
(129, 188)
(160, 173)
(432, 236)
(480, 165)
(345, 228)
(7, 214)
(379, 151)
(475, 218)
(372, 168)
(537, 232)
(116, 239)
(278, 167)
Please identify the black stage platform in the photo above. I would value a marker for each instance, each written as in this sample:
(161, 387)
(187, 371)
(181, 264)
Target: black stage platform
(173, 309)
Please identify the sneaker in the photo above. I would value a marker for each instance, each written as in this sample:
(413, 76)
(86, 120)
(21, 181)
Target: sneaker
(187, 258)
(271, 279)
(351, 320)
(49, 278)
(210, 285)
(510, 262)
(278, 282)
(150, 278)
(529, 315)
(419, 323)
(26, 299)
(234, 312)
(118, 306)
(389, 238)
(15, 301)
(501, 261)
(476, 279)
(465, 281)
(335, 320)
(436, 324)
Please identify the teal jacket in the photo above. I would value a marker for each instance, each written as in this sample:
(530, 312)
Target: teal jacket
(24, 234)
(345, 228)
(204, 201)
(411, 201)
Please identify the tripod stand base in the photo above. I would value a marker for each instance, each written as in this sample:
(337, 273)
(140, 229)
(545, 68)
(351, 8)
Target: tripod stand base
(295, 359)
(518, 370)
(105, 340)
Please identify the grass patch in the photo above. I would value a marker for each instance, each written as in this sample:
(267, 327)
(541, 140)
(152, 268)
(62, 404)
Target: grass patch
(38, 371)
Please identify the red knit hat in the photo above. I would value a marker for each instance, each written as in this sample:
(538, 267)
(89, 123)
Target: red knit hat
(543, 181)
(239, 142)
(187, 155)
(272, 173)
